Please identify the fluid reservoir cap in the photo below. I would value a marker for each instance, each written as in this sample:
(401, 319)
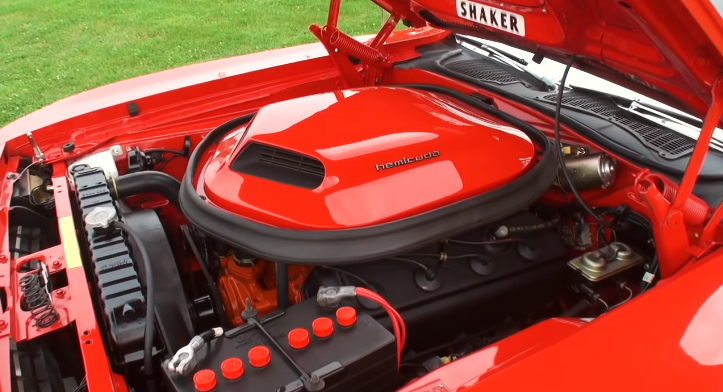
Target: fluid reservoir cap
(259, 356)
(232, 368)
(204, 380)
(298, 338)
(346, 316)
(323, 327)
(100, 217)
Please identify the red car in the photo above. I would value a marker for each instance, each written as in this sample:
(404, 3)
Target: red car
(417, 211)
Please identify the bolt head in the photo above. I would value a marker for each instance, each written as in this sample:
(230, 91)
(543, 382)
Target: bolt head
(11, 176)
(56, 264)
(116, 150)
(3, 258)
(60, 293)
(3, 324)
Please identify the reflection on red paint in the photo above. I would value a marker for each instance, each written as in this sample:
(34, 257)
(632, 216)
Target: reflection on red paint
(703, 339)
(393, 195)
(375, 144)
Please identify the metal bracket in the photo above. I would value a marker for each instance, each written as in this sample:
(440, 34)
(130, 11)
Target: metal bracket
(39, 156)
(341, 47)
(311, 382)
(671, 234)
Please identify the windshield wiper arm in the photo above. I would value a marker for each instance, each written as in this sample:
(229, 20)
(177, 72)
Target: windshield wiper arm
(493, 49)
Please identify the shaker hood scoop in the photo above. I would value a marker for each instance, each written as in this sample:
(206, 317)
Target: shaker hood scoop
(670, 50)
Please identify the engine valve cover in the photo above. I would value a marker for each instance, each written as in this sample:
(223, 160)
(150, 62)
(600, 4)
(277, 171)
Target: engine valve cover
(361, 157)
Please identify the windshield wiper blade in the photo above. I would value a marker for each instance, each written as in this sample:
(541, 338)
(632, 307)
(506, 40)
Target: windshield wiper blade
(669, 122)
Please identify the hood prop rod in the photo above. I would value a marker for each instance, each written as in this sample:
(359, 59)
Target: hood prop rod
(342, 46)
(673, 246)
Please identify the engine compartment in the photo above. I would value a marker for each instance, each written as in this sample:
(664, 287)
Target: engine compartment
(448, 207)
(395, 207)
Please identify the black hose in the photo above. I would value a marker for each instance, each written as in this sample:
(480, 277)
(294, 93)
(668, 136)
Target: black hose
(148, 182)
(150, 296)
(577, 309)
(561, 158)
(467, 256)
(165, 150)
(213, 290)
(410, 261)
(428, 272)
(282, 286)
(530, 228)
(351, 274)
(490, 242)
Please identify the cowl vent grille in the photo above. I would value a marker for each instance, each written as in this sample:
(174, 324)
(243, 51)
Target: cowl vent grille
(667, 143)
(276, 164)
(481, 70)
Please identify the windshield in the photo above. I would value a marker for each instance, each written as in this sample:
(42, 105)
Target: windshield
(553, 70)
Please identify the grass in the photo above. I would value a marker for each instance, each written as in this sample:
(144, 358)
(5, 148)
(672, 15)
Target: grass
(51, 49)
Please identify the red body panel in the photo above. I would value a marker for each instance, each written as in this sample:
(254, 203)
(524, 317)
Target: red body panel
(665, 340)
(355, 133)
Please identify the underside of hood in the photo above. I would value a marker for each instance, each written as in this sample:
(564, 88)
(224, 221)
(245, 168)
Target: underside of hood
(670, 50)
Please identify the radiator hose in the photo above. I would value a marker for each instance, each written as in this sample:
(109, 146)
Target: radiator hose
(147, 182)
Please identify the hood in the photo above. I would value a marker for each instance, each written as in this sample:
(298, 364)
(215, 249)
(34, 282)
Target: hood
(669, 50)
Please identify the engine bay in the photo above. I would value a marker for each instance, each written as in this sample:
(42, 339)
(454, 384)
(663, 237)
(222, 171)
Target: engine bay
(349, 240)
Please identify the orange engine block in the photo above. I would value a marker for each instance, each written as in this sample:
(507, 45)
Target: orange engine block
(255, 279)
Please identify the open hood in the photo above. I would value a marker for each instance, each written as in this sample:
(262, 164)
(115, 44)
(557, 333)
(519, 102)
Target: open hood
(670, 50)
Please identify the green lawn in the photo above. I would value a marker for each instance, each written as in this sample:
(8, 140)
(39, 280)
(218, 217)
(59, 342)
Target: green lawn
(50, 49)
